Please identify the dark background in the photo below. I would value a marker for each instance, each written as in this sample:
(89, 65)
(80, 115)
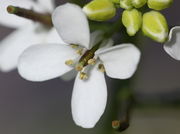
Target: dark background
(44, 108)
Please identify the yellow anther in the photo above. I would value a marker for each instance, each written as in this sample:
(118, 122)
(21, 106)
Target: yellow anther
(74, 46)
(101, 68)
(69, 62)
(83, 76)
(92, 61)
(79, 67)
(80, 51)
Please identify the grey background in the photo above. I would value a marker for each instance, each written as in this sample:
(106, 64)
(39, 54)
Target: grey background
(44, 108)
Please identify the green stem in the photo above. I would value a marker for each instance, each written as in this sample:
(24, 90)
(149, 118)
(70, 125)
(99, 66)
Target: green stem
(44, 19)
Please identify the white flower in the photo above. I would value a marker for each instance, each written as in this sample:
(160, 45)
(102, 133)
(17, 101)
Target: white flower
(172, 46)
(26, 33)
(44, 62)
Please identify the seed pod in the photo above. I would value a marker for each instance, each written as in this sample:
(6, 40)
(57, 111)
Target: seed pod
(155, 26)
(132, 20)
(159, 4)
(100, 10)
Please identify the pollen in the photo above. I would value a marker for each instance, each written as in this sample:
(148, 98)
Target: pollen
(92, 61)
(74, 46)
(83, 76)
(79, 67)
(80, 51)
(69, 62)
(101, 68)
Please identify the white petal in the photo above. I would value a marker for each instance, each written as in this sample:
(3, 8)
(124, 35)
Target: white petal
(53, 37)
(14, 44)
(95, 37)
(44, 62)
(105, 44)
(11, 20)
(48, 5)
(172, 47)
(120, 61)
(89, 99)
(69, 75)
(72, 25)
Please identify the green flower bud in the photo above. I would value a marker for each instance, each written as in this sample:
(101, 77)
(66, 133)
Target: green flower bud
(115, 1)
(100, 10)
(126, 4)
(138, 3)
(132, 20)
(155, 26)
(159, 4)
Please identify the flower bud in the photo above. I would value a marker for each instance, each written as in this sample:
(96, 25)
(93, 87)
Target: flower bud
(138, 3)
(155, 26)
(100, 10)
(126, 4)
(132, 20)
(159, 4)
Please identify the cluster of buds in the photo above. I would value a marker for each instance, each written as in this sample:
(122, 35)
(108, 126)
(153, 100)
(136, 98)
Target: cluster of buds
(134, 17)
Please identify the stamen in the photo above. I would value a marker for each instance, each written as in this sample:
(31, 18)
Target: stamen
(45, 19)
(69, 62)
(79, 67)
(74, 46)
(92, 61)
(80, 51)
(101, 68)
(83, 76)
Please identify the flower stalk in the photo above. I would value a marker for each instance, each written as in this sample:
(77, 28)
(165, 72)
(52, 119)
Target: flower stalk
(44, 19)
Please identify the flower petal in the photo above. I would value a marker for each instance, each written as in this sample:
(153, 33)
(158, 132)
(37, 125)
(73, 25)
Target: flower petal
(89, 99)
(172, 46)
(105, 44)
(72, 25)
(48, 5)
(44, 62)
(120, 61)
(14, 44)
(11, 20)
(69, 75)
(95, 37)
(53, 37)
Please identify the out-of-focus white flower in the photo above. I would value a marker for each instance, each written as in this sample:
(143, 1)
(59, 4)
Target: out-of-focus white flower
(44, 62)
(26, 33)
(172, 46)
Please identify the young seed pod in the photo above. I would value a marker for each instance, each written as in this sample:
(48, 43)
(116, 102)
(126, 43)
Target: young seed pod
(100, 10)
(159, 4)
(126, 4)
(155, 26)
(132, 20)
(138, 3)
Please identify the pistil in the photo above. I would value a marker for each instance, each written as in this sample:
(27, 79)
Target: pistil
(88, 55)
(44, 19)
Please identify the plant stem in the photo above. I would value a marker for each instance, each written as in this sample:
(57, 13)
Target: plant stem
(44, 19)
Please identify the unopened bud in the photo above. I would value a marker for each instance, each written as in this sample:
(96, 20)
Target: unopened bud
(100, 10)
(126, 4)
(159, 4)
(132, 20)
(155, 26)
(138, 3)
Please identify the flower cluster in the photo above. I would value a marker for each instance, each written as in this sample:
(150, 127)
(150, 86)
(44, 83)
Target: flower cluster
(40, 54)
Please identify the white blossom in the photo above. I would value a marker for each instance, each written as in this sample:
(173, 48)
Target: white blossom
(47, 61)
(26, 32)
(172, 46)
